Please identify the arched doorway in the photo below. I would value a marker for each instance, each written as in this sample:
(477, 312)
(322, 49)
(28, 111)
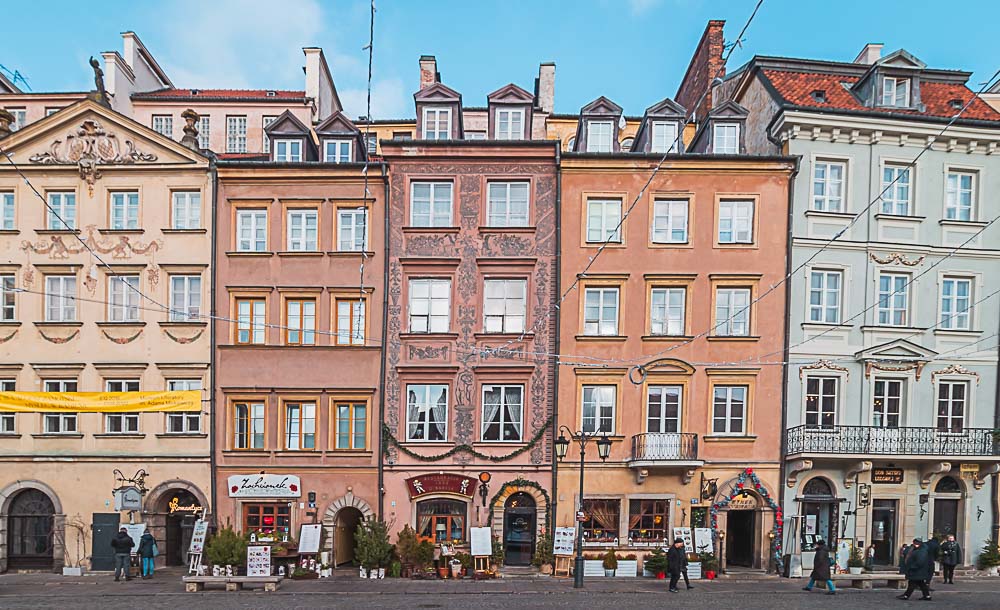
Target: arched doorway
(947, 508)
(821, 511)
(344, 542)
(519, 526)
(182, 510)
(742, 530)
(30, 524)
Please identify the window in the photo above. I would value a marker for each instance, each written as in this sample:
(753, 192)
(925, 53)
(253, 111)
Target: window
(666, 311)
(663, 408)
(430, 305)
(50, 110)
(426, 412)
(236, 134)
(895, 92)
(288, 150)
(185, 298)
(251, 230)
(121, 385)
(441, 521)
(123, 298)
(952, 400)
(430, 204)
(163, 124)
(337, 151)
(302, 230)
(507, 204)
(351, 424)
(893, 299)
(300, 316)
(599, 136)
(670, 221)
(350, 322)
(7, 420)
(186, 209)
(600, 312)
(664, 137)
(7, 212)
(251, 321)
(828, 186)
(62, 211)
(300, 425)
(502, 412)
(59, 423)
(402, 135)
(20, 118)
(736, 222)
(649, 521)
(475, 135)
(272, 519)
(626, 144)
(821, 402)
(729, 407)
(604, 219)
(187, 422)
(372, 143)
(956, 294)
(8, 290)
(571, 143)
(125, 211)
(265, 122)
(60, 298)
(352, 229)
(603, 517)
(732, 312)
(437, 123)
(60, 385)
(726, 139)
(599, 409)
(896, 190)
(888, 402)
(960, 196)
(204, 132)
(505, 306)
(121, 423)
(824, 296)
(248, 425)
(510, 124)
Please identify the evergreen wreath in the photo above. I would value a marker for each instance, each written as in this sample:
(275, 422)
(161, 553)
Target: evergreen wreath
(390, 439)
(522, 482)
(779, 521)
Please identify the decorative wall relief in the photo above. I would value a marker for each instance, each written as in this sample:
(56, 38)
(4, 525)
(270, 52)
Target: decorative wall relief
(59, 340)
(954, 369)
(8, 337)
(823, 365)
(429, 352)
(119, 247)
(897, 259)
(917, 367)
(122, 340)
(184, 340)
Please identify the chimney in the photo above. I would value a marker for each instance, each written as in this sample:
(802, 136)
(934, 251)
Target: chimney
(706, 65)
(545, 87)
(428, 71)
(870, 54)
(190, 138)
(6, 120)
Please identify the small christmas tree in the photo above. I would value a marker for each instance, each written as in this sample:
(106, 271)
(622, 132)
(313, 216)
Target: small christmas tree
(989, 557)
(656, 562)
(226, 548)
(374, 549)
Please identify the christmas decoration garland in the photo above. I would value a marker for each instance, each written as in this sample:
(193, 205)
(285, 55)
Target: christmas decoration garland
(741, 482)
(521, 482)
(392, 440)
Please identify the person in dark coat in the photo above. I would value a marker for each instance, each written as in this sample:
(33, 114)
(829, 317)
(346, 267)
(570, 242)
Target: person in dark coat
(146, 551)
(903, 552)
(821, 569)
(951, 556)
(122, 545)
(676, 563)
(917, 570)
(933, 549)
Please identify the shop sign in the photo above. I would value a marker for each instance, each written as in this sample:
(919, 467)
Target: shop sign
(441, 483)
(742, 503)
(891, 476)
(175, 507)
(128, 498)
(264, 486)
(969, 471)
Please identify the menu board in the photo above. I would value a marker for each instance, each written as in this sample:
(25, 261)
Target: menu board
(564, 542)
(482, 541)
(309, 538)
(685, 533)
(198, 537)
(258, 561)
(703, 540)
(135, 531)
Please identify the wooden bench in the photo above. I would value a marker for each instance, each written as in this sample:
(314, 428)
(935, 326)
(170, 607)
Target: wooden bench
(864, 581)
(193, 584)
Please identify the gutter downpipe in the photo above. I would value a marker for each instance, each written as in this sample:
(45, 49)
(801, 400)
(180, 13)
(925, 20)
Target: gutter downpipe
(385, 327)
(556, 365)
(214, 171)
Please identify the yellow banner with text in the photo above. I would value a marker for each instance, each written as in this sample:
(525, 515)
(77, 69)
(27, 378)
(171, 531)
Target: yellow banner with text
(100, 402)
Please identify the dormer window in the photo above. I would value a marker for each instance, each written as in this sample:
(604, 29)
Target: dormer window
(510, 124)
(664, 137)
(726, 139)
(599, 136)
(288, 150)
(818, 95)
(896, 92)
(337, 151)
(437, 123)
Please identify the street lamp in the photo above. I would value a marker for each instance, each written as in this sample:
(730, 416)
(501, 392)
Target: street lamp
(603, 451)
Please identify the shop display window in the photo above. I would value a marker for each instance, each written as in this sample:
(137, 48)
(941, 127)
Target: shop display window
(648, 520)
(603, 517)
(442, 521)
(267, 519)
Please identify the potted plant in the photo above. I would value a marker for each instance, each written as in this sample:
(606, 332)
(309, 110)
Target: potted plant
(989, 557)
(709, 564)
(226, 548)
(610, 563)
(466, 560)
(373, 550)
(543, 557)
(656, 564)
(593, 564)
(395, 569)
(498, 553)
(856, 560)
(406, 548)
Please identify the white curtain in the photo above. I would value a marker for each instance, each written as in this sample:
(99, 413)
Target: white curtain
(491, 408)
(440, 412)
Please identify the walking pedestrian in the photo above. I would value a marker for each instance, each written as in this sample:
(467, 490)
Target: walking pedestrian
(122, 545)
(951, 556)
(917, 561)
(903, 552)
(821, 569)
(147, 551)
(870, 558)
(676, 563)
(933, 548)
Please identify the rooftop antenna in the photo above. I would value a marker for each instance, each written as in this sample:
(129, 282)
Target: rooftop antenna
(15, 76)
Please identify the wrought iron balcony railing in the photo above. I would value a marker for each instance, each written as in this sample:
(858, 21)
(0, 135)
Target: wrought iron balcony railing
(665, 447)
(871, 440)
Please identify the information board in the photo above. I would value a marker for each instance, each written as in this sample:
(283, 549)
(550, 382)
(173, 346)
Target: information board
(685, 533)
(309, 538)
(198, 537)
(564, 542)
(482, 541)
(135, 531)
(258, 561)
(703, 540)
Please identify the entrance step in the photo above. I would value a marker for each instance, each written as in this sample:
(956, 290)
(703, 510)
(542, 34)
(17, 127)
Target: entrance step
(744, 574)
(521, 572)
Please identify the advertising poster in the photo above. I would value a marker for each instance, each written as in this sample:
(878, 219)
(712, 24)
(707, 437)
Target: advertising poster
(258, 561)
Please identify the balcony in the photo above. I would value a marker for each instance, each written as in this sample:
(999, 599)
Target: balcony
(900, 443)
(664, 449)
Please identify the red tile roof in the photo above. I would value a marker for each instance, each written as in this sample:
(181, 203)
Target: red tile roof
(235, 94)
(797, 88)
(245, 156)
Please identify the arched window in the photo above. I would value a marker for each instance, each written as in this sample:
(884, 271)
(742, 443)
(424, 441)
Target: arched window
(571, 143)
(626, 144)
(520, 500)
(947, 485)
(817, 487)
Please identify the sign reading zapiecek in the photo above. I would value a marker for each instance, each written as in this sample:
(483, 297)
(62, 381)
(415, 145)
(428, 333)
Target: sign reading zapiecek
(264, 486)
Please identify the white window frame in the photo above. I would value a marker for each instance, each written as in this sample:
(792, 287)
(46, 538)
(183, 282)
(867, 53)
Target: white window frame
(608, 311)
(264, 123)
(248, 238)
(662, 420)
(726, 138)
(504, 416)
(123, 298)
(127, 423)
(501, 199)
(163, 124)
(20, 118)
(897, 199)
(60, 385)
(666, 319)
(423, 404)
(124, 210)
(288, 150)
(606, 225)
(185, 298)
(300, 237)
(300, 426)
(594, 408)
(954, 208)
(371, 143)
(663, 137)
(739, 215)
(63, 203)
(352, 229)
(889, 303)
(732, 318)
(204, 132)
(300, 321)
(953, 318)
(185, 210)
(65, 423)
(8, 422)
(504, 313)
(816, 401)
(729, 401)
(338, 154)
(670, 216)
(895, 92)
(831, 190)
(819, 313)
(435, 215)
(879, 415)
(431, 129)
(423, 312)
(236, 133)
(597, 140)
(948, 404)
(8, 297)
(510, 133)
(60, 298)
(8, 211)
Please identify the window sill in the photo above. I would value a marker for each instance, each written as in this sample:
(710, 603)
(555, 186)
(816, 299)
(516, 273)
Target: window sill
(594, 338)
(744, 339)
(736, 246)
(182, 324)
(445, 230)
(181, 435)
(500, 444)
(252, 452)
(306, 253)
(58, 324)
(182, 231)
(9, 232)
(504, 336)
(900, 217)
(726, 438)
(598, 244)
(350, 453)
(972, 224)
(106, 435)
(529, 229)
(428, 444)
(825, 214)
(250, 253)
(351, 253)
(133, 324)
(824, 326)
(57, 435)
(9, 435)
(121, 231)
(671, 245)
(667, 337)
(879, 327)
(612, 437)
(428, 336)
(952, 332)
(57, 231)
(10, 324)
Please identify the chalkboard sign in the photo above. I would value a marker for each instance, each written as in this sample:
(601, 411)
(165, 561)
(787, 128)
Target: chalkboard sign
(482, 541)
(564, 542)
(309, 538)
(258, 561)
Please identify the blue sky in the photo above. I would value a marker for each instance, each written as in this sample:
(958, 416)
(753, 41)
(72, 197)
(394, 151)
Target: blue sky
(633, 51)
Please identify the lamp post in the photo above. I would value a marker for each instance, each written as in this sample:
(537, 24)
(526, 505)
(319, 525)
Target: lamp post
(603, 451)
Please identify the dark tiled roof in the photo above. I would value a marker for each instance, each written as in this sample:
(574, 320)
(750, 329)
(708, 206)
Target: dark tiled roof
(244, 156)
(227, 94)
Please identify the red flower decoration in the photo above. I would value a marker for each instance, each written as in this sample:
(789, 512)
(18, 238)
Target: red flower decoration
(235, 489)
(739, 485)
(749, 470)
(293, 487)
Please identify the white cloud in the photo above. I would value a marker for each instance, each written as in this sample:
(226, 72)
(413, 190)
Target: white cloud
(638, 7)
(389, 100)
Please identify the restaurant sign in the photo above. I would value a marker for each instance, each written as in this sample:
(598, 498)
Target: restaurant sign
(441, 483)
(264, 486)
(891, 476)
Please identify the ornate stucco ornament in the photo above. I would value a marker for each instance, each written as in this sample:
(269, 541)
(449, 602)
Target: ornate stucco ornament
(823, 365)
(119, 248)
(897, 259)
(917, 367)
(88, 147)
(954, 369)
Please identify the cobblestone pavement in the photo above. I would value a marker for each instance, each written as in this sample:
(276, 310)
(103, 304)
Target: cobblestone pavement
(23, 591)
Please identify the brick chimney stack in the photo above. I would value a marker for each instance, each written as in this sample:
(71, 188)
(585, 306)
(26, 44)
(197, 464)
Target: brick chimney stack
(428, 71)
(545, 87)
(706, 65)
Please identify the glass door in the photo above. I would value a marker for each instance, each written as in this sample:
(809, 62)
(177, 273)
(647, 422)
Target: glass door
(883, 534)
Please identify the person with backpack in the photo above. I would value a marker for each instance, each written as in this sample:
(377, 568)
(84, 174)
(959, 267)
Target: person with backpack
(821, 569)
(147, 551)
(122, 545)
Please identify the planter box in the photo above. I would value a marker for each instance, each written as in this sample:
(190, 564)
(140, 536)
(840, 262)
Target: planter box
(593, 567)
(627, 568)
(68, 571)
